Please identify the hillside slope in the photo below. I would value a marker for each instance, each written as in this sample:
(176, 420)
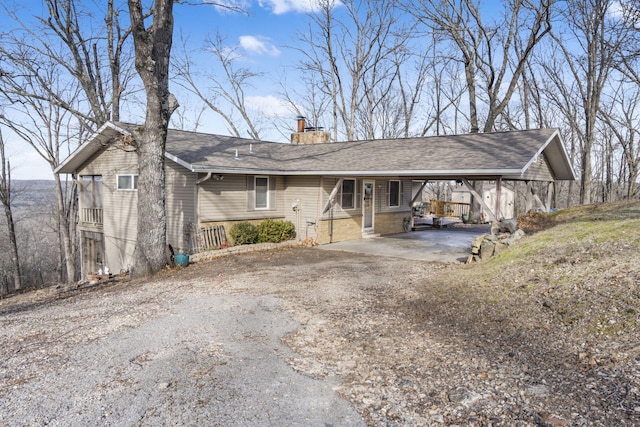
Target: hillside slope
(566, 298)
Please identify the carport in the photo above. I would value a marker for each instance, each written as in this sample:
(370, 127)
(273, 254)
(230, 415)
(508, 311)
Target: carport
(531, 156)
(536, 155)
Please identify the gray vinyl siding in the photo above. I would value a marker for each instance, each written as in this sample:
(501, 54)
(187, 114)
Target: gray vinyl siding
(310, 197)
(328, 183)
(539, 171)
(230, 199)
(382, 195)
(120, 210)
(180, 205)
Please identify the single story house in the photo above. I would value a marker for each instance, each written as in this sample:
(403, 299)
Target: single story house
(331, 191)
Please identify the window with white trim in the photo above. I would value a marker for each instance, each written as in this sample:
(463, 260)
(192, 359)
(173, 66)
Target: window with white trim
(127, 182)
(348, 195)
(394, 194)
(261, 192)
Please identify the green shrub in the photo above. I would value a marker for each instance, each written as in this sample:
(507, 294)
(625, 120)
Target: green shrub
(244, 233)
(275, 231)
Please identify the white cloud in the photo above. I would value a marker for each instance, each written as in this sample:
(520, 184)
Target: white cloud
(280, 7)
(269, 105)
(258, 45)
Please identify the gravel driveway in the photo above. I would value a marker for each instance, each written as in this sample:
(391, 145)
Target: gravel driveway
(292, 337)
(181, 350)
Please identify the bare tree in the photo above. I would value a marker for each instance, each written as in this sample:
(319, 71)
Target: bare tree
(5, 198)
(351, 51)
(596, 39)
(96, 58)
(310, 102)
(50, 130)
(622, 117)
(226, 91)
(494, 55)
(60, 79)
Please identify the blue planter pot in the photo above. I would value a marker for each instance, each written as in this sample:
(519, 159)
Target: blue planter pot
(181, 259)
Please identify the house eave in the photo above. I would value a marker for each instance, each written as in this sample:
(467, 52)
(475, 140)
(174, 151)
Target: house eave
(558, 154)
(95, 142)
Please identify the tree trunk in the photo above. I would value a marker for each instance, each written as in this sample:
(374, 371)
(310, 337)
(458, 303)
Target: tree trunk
(153, 50)
(67, 239)
(149, 255)
(5, 197)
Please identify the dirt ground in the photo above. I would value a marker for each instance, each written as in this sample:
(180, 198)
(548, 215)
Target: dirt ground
(364, 344)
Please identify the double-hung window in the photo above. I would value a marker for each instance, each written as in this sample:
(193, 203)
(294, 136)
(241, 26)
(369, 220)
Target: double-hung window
(127, 182)
(261, 192)
(348, 196)
(394, 194)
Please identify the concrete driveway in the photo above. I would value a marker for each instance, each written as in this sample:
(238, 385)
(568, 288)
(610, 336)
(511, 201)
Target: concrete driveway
(442, 245)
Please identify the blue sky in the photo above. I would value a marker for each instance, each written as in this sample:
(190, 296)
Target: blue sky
(262, 36)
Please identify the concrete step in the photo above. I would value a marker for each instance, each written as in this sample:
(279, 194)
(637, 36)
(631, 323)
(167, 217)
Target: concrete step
(369, 234)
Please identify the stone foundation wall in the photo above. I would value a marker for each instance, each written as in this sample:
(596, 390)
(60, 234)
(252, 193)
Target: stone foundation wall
(390, 223)
(343, 229)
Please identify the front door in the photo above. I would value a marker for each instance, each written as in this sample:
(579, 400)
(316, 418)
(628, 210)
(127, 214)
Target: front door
(367, 206)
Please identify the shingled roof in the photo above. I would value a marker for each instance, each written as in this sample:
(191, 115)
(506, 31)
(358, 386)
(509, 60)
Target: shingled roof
(484, 155)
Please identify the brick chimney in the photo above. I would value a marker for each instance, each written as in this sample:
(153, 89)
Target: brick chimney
(309, 135)
(301, 123)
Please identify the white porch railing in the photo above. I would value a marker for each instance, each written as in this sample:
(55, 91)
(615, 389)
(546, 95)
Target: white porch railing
(91, 216)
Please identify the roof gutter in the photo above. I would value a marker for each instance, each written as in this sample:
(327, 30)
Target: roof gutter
(407, 173)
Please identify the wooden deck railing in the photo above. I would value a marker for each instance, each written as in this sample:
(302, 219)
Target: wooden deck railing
(91, 216)
(449, 209)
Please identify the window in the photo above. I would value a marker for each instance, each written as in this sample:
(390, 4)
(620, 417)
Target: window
(262, 192)
(348, 194)
(91, 191)
(394, 194)
(127, 182)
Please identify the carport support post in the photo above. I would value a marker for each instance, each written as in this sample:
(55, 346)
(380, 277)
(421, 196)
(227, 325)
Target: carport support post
(542, 206)
(418, 193)
(492, 216)
(332, 196)
(551, 195)
(529, 196)
(498, 196)
(329, 207)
